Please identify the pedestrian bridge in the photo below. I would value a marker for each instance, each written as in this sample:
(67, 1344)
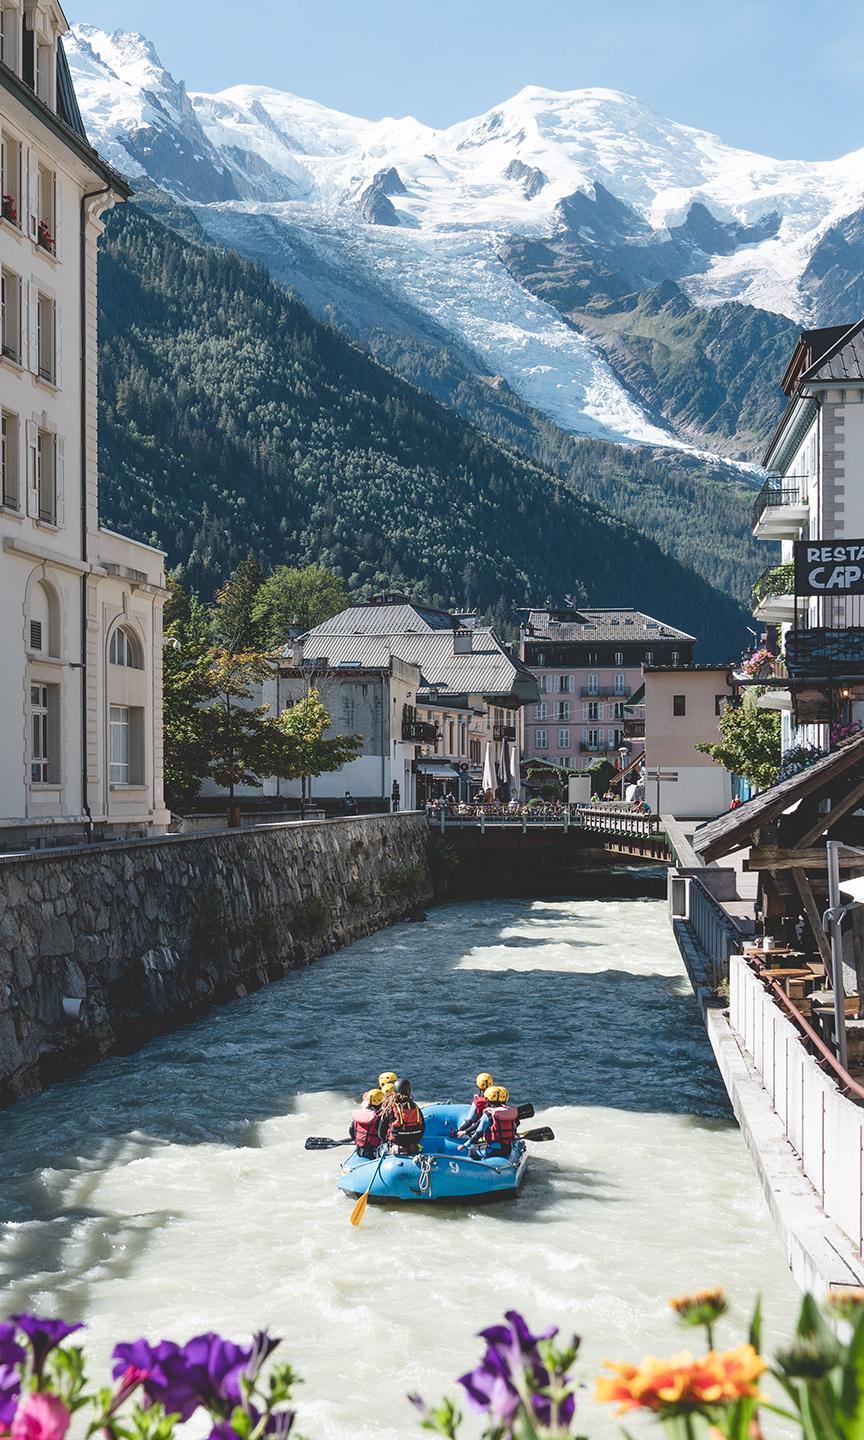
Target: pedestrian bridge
(617, 828)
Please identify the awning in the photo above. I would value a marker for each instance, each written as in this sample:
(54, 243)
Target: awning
(442, 771)
(637, 698)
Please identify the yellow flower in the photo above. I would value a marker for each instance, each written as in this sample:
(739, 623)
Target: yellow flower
(701, 1308)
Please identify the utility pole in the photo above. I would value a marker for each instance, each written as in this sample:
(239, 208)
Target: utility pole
(834, 916)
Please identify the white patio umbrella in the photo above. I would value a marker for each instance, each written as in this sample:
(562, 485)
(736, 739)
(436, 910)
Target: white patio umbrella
(490, 779)
(506, 777)
(515, 771)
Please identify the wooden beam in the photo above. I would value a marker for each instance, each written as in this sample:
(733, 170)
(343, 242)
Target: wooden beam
(813, 917)
(851, 801)
(772, 857)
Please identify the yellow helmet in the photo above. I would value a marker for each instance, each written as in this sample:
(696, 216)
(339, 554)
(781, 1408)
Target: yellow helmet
(388, 1088)
(387, 1077)
(484, 1080)
(374, 1097)
(497, 1095)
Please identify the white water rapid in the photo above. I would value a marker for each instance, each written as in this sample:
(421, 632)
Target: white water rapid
(169, 1192)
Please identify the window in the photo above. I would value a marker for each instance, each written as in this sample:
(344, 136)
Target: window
(119, 744)
(10, 315)
(9, 450)
(720, 703)
(543, 684)
(46, 475)
(593, 711)
(618, 710)
(649, 657)
(562, 710)
(619, 684)
(540, 739)
(46, 338)
(565, 684)
(563, 739)
(44, 730)
(44, 72)
(124, 649)
(619, 657)
(542, 710)
(10, 174)
(593, 684)
(8, 37)
(35, 634)
(476, 749)
(679, 705)
(676, 657)
(593, 657)
(46, 230)
(594, 739)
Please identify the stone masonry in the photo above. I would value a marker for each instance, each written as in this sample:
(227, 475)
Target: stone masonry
(102, 947)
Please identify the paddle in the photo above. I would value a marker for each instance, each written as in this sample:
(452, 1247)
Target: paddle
(360, 1208)
(543, 1132)
(322, 1142)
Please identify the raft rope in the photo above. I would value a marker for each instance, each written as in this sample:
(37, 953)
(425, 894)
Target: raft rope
(425, 1164)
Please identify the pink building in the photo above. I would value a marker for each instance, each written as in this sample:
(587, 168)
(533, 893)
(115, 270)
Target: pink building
(588, 663)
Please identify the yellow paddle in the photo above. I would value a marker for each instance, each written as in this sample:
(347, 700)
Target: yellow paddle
(360, 1206)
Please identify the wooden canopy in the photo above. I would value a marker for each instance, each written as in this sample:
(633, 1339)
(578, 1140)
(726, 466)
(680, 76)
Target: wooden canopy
(838, 777)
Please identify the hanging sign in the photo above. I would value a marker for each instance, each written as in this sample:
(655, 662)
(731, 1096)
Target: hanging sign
(829, 567)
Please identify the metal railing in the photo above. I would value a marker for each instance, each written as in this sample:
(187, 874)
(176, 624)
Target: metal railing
(420, 731)
(775, 580)
(618, 820)
(825, 651)
(634, 729)
(714, 927)
(776, 493)
(503, 732)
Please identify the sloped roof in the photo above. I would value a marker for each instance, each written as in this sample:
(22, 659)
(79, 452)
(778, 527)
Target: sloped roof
(397, 619)
(843, 360)
(486, 669)
(733, 830)
(608, 624)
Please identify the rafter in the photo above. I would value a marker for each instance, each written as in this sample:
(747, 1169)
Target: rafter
(850, 801)
(814, 919)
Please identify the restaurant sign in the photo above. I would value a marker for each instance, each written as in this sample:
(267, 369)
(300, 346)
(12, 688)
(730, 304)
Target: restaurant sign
(829, 567)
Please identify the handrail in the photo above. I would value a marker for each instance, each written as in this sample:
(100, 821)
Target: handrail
(804, 1025)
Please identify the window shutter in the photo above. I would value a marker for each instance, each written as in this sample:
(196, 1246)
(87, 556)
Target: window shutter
(58, 219)
(584, 709)
(33, 326)
(58, 344)
(60, 479)
(32, 473)
(32, 194)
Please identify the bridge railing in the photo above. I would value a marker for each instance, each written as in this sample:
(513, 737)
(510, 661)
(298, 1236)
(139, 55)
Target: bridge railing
(713, 926)
(618, 820)
(525, 817)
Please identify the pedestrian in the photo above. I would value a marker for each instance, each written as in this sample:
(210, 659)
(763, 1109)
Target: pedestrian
(394, 798)
(349, 804)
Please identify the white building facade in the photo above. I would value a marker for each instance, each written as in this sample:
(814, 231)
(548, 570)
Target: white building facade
(80, 646)
(816, 493)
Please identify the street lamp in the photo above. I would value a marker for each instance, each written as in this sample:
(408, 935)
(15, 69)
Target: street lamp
(623, 752)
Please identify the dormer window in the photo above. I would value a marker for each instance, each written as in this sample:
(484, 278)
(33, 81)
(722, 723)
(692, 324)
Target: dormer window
(9, 36)
(45, 63)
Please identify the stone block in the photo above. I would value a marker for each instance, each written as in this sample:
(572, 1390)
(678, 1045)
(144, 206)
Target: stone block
(57, 937)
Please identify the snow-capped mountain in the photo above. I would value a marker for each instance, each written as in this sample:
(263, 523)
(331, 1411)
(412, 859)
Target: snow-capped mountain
(507, 234)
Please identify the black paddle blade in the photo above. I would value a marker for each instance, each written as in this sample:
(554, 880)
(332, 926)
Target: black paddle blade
(524, 1112)
(322, 1142)
(542, 1132)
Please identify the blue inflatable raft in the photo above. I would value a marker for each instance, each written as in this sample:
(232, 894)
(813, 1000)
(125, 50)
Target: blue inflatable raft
(442, 1171)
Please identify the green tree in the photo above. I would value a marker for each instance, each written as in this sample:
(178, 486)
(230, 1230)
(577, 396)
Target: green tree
(186, 688)
(305, 750)
(233, 612)
(750, 742)
(295, 595)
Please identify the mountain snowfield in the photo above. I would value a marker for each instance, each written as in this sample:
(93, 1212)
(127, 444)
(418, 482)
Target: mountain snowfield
(420, 214)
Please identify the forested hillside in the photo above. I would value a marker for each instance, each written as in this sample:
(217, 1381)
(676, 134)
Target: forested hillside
(231, 420)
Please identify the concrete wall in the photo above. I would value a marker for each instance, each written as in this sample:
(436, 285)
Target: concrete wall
(703, 788)
(148, 934)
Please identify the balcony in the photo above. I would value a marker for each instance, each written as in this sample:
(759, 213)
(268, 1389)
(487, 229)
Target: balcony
(421, 732)
(503, 732)
(825, 653)
(587, 747)
(780, 509)
(602, 692)
(634, 729)
(774, 595)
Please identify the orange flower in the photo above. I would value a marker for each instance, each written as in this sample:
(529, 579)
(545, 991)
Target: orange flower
(682, 1382)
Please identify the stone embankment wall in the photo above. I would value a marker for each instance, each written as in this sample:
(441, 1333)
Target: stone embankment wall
(102, 947)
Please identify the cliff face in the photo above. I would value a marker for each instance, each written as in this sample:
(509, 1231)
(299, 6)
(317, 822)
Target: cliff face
(102, 948)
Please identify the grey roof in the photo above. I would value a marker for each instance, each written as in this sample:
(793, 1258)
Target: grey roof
(67, 100)
(844, 360)
(614, 624)
(486, 669)
(397, 619)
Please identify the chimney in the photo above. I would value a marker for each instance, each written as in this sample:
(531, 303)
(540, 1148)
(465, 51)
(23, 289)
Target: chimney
(462, 642)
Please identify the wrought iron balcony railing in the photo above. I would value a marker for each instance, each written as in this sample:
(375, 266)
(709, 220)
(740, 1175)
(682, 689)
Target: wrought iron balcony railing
(503, 732)
(635, 729)
(420, 731)
(774, 493)
(776, 580)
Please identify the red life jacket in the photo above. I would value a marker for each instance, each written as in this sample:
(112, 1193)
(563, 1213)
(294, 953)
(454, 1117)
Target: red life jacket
(406, 1127)
(365, 1122)
(503, 1128)
(479, 1104)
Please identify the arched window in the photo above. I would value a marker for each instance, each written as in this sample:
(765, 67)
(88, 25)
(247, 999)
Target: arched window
(125, 649)
(43, 620)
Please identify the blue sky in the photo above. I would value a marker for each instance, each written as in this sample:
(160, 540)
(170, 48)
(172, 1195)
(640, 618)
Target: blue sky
(779, 76)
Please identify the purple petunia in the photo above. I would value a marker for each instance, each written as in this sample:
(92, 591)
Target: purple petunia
(43, 1335)
(206, 1371)
(10, 1391)
(10, 1350)
(511, 1373)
